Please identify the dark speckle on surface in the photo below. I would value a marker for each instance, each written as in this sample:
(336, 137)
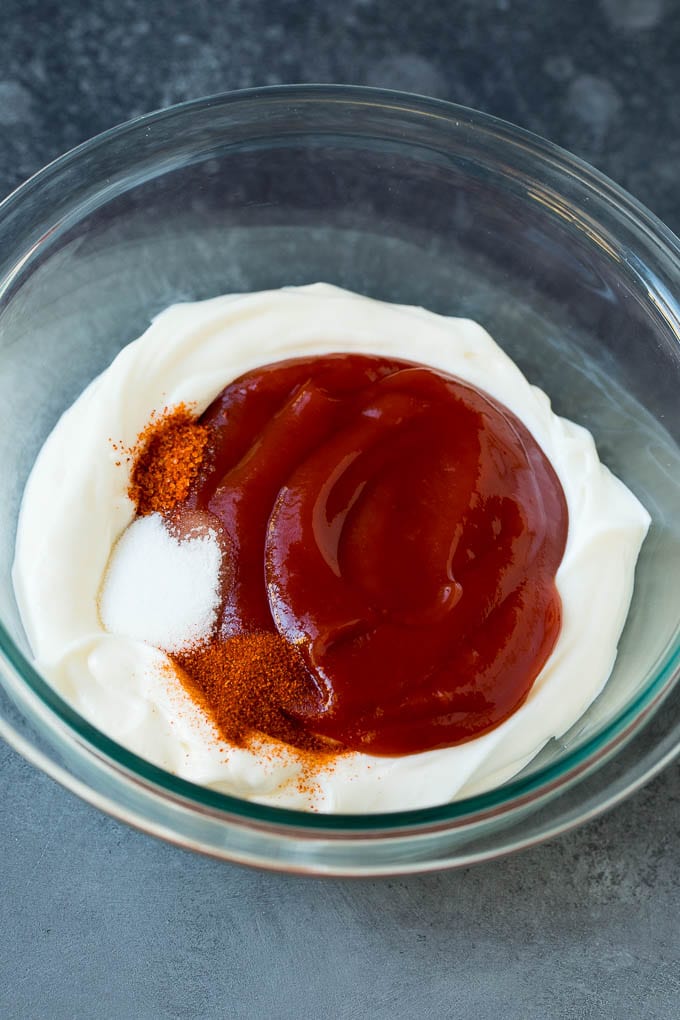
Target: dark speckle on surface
(99, 921)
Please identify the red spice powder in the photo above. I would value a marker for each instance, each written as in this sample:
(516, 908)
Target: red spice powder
(251, 683)
(167, 457)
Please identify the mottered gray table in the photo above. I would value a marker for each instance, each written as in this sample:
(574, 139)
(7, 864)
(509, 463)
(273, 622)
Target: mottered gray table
(99, 921)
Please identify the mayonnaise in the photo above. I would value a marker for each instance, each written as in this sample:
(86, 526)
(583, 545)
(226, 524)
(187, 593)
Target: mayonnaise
(76, 507)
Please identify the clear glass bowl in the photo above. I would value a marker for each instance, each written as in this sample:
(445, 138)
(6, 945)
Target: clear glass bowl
(405, 199)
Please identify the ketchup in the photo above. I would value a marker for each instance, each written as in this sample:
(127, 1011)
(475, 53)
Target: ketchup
(401, 529)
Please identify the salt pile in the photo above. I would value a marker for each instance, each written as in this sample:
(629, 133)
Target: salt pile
(161, 589)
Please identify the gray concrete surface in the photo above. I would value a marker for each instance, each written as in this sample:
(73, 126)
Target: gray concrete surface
(97, 921)
(101, 922)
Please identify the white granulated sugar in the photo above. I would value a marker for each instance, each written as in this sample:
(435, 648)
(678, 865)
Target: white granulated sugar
(160, 589)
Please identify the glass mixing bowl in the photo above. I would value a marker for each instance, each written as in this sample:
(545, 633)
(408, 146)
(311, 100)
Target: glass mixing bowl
(405, 199)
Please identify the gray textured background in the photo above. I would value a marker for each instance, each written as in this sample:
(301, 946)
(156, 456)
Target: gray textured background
(97, 921)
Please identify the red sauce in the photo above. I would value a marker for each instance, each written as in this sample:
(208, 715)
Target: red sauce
(401, 529)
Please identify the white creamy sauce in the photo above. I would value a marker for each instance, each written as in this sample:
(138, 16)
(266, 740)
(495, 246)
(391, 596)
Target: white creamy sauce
(76, 508)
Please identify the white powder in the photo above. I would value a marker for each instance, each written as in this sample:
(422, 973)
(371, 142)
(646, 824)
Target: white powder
(160, 589)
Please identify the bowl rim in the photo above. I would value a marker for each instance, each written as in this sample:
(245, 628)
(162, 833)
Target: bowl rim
(365, 95)
(543, 781)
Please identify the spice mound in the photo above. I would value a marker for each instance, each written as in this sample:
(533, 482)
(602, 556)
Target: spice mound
(168, 456)
(253, 683)
(361, 554)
